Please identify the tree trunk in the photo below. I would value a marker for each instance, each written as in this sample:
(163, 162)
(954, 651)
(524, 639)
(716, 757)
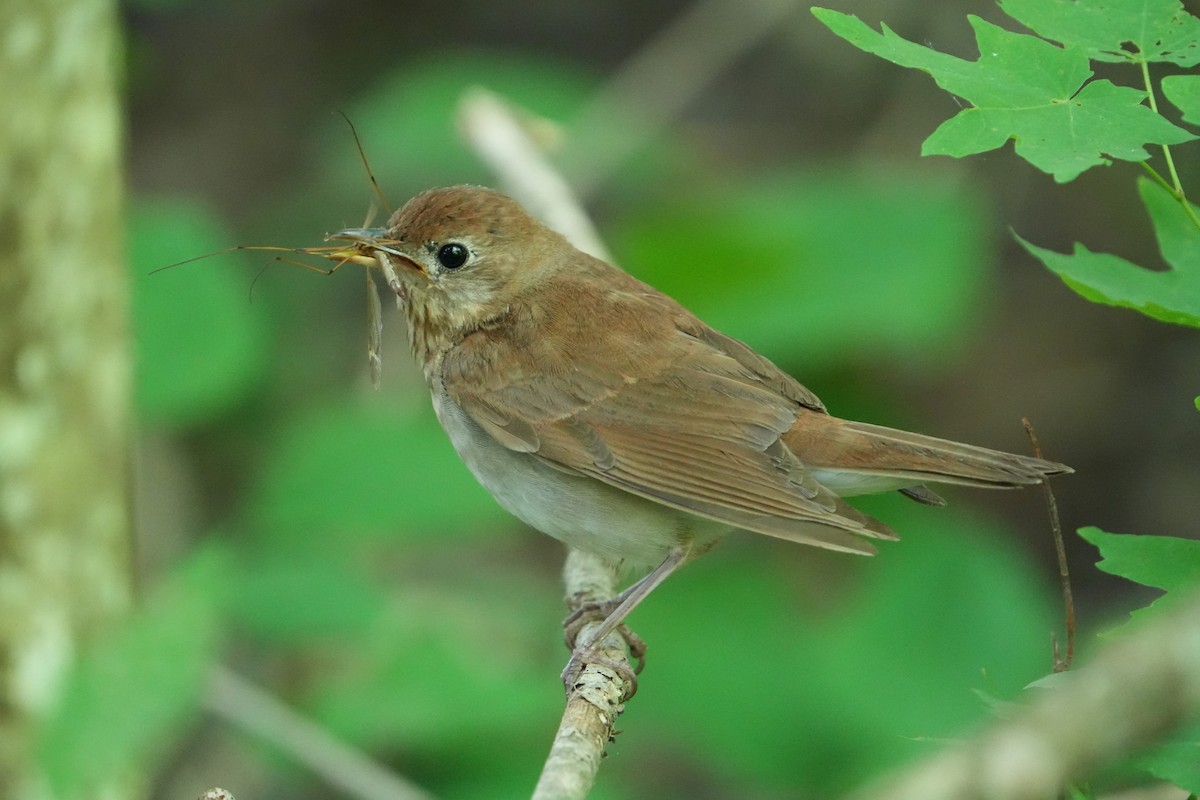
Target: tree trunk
(64, 363)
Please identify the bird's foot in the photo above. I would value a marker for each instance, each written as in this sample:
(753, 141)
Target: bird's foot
(589, 652)
(586, 656)
(593, 611)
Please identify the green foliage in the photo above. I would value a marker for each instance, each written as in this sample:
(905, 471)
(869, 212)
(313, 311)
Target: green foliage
(197, 352)
(1163, 562)
(449, 667)
(1064, 120)
(950, 610)
(1184, 92)
(1171, 296)
(304, 594)
(413, 106)
(369, 470)
(1023, 88)
(741, 257)
(1173, 565)
(1178, 761)
(416, 105)
(1121, 32)
(129, 697)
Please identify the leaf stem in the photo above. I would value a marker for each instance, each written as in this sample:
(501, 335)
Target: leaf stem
(1175, 187)
(1159, 179)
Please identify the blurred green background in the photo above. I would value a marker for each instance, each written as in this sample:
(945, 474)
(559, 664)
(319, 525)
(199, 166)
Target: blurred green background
(322, 538)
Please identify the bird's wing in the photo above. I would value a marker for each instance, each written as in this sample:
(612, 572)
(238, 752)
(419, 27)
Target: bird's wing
(664, 413)
(762, 368)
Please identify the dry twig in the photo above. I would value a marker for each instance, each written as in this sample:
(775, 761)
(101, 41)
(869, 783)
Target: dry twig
(1062, 662)
(349, 770)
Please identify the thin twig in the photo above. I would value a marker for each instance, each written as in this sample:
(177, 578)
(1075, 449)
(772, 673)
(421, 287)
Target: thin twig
(594, 702)
(1061, 663)
(240, 702)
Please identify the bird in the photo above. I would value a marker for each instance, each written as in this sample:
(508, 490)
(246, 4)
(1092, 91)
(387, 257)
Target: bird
(600, 411)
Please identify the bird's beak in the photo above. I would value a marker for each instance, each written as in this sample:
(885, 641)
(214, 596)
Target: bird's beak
(356, 235)
(363, 243)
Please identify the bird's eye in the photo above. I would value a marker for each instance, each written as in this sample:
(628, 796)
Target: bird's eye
(452, 255)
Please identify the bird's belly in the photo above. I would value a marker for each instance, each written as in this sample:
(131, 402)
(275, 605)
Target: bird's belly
(577, 510)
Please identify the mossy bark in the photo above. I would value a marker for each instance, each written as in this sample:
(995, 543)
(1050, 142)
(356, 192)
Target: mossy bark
(64, 363)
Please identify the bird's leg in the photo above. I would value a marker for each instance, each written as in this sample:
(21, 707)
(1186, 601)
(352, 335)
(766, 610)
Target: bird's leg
(613, 613)
(590, 611)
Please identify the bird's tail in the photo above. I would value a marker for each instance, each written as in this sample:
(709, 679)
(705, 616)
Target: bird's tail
(858, 458)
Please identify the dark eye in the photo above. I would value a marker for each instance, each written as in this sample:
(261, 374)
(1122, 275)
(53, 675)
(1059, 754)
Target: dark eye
(452, 255)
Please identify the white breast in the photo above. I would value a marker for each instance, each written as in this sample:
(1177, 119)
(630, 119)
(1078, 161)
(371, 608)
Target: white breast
(578, 510)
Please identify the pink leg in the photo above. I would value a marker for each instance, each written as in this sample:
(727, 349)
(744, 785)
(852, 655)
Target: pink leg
(583, 652)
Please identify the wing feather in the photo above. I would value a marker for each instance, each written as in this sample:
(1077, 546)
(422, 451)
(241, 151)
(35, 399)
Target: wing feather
(613, 415)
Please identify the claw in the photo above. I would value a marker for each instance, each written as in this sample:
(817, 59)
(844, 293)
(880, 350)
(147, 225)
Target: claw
(588, 656)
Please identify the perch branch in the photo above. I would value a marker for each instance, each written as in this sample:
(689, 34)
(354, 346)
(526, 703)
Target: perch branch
(594, 702)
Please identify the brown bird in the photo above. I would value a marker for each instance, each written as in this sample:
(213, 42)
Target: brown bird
(603, 413)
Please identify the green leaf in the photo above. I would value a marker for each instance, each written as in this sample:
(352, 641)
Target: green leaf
(1177, 761)
(1157, 30)
(129, 695)
(447, 665)
(1028, 90)
(309, 591)
(779, 262)
(1171, 296)
(200, 346)
(1163, 562)
(348, 470)
(1184, 92)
